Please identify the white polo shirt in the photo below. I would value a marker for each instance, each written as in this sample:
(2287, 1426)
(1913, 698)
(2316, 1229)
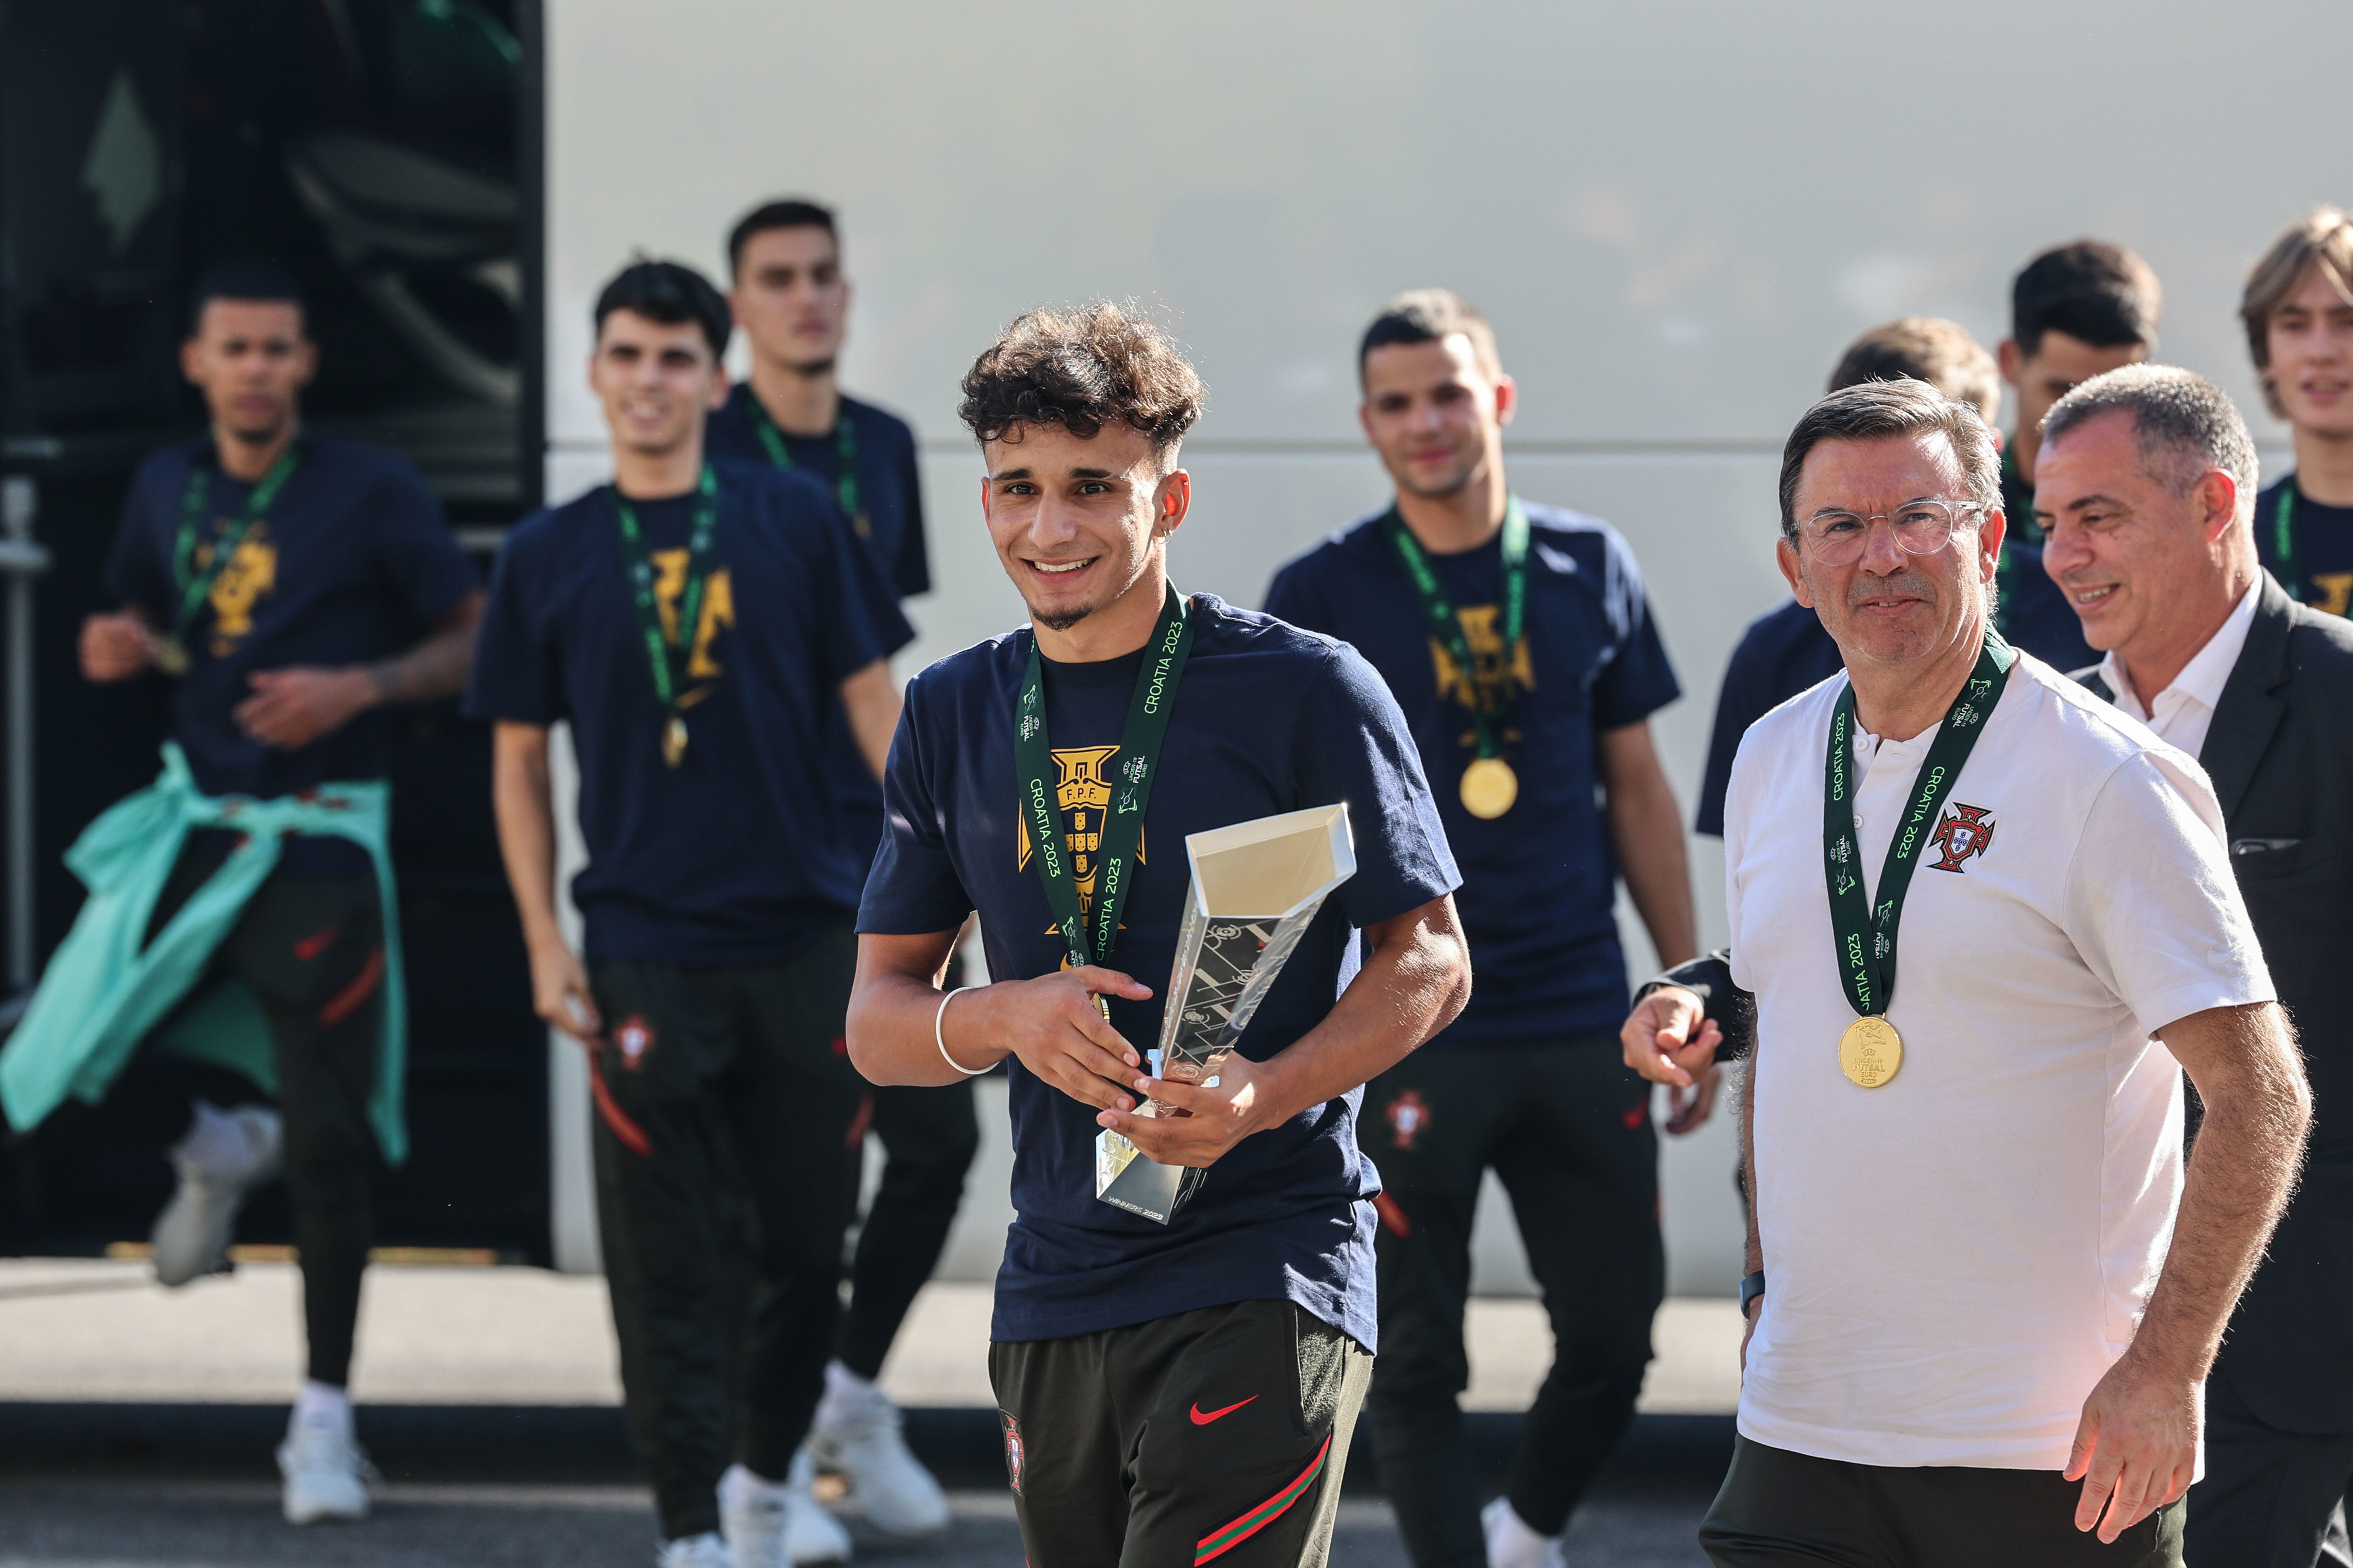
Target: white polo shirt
(1953, 1259)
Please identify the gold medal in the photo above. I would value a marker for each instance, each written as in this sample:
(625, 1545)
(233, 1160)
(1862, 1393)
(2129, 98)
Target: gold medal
(674, 741)
(1489, 787)
(1870, 1051)
(171, 657)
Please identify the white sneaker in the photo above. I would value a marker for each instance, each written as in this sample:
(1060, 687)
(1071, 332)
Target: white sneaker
(705, 1551)
(1512, 1543)
(857, 1431)
(225, 1156)
(327, 1472)
(770, 1524)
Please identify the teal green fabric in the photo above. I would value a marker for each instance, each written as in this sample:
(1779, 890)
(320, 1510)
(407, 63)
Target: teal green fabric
(103, 992)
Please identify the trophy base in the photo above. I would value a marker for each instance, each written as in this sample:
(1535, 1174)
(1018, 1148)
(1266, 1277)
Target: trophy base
(1125, 1178)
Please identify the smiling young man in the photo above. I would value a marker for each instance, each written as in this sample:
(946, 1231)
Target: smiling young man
(2298, 311)
(2148, 477)
(1519, 641)
(696, 623)
(2077, 310)
(792, 301)
(292, 585)
(1983, 1293)
(1181, 1391)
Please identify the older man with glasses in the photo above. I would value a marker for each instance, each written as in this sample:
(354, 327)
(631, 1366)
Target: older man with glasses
(1983, 1293)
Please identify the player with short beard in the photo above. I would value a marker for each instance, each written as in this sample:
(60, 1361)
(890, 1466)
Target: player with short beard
(1186, 1392)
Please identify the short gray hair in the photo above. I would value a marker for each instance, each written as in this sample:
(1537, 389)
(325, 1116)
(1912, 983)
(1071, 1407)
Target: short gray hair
(2185, 424)
(1877, 410)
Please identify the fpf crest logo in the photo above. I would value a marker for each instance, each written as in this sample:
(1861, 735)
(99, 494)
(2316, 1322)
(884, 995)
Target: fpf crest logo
(250, 576)
(1492, 680)
(1082, 794)
(718, 610)
(1966, 830)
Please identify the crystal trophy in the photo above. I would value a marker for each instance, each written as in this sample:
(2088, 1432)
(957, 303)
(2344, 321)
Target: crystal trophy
(1256, 888)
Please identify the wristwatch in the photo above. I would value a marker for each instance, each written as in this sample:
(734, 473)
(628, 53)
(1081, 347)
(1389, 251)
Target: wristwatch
(1751, 1287)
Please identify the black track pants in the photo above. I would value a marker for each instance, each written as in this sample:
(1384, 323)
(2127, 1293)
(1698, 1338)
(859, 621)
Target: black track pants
(1568, 1129)
(310, 949)
(721, 1093)
(1218, 1435)
(1780, 1509)
(929, 1137)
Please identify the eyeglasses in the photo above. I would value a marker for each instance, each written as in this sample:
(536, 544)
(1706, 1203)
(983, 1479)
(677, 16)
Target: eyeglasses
(1923, 527)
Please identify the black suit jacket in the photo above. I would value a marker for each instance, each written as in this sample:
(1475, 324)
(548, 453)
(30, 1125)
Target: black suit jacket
(2280, 755)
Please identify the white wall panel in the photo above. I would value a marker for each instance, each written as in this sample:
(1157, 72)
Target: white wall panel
(1675, 215)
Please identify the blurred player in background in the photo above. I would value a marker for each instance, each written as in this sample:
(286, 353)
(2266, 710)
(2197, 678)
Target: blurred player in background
(698, 623)
(792, 300)
(2298, 310)
(1519, 641)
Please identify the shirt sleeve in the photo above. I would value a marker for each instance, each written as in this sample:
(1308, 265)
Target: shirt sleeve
(1737, 707)
(518, 670)
(1350, 743)
(1291, 597)
(912, 888)
(1639, 680)
(857, 615)
(139, 569)
(911, 574)
(2153, 906)
(415, 548)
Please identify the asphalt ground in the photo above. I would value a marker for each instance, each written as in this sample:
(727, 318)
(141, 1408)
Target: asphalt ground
(152, 1485)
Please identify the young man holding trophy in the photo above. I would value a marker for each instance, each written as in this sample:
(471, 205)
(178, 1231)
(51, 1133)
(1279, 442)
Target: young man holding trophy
(1184, 1316)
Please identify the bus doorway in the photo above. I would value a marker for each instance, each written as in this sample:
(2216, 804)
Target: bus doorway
(387, 151)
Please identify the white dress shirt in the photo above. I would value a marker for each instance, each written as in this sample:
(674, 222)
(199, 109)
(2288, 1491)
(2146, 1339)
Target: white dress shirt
(2184, 710)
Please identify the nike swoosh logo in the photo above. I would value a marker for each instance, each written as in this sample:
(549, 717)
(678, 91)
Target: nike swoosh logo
(1200, 1419)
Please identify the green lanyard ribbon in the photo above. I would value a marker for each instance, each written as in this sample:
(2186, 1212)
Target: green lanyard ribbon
(2291, 570)
(1140, 740)
(845, 451)
(668, 656)
(195, 500)
(1447, 627)
(1866, 934)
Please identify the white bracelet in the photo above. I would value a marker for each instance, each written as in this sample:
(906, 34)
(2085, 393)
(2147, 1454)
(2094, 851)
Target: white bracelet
(940, 1040)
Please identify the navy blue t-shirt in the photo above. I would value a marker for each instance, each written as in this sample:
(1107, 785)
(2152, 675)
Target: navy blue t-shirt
(2324, 546)
(737, 856)
(352, 564)
(890, 497)
(1784, 651)
(1539, 882)
(1268, 719)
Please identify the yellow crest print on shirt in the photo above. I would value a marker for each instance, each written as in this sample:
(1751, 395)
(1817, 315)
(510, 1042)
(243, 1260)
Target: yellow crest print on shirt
(1491, 682)
(718, 610)
(251, 572)
(1083, 795)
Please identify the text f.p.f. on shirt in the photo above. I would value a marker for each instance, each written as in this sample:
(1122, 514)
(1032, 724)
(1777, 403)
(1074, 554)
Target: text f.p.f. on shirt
(1954, 1258)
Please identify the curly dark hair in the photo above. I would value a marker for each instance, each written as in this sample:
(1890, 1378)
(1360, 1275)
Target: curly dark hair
(1083, 369)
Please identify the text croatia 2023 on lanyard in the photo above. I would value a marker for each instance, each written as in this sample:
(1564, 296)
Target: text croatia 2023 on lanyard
(1140, 741)
(195, 587)
(668, 656)
(1870, 1051)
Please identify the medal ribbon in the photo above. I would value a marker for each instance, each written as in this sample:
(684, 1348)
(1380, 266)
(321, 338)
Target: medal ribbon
(1447, 627)
(668, 656)
(845, 449)
(195, 500)
(1123, 826)
(1865, 933)
(2284, 543)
